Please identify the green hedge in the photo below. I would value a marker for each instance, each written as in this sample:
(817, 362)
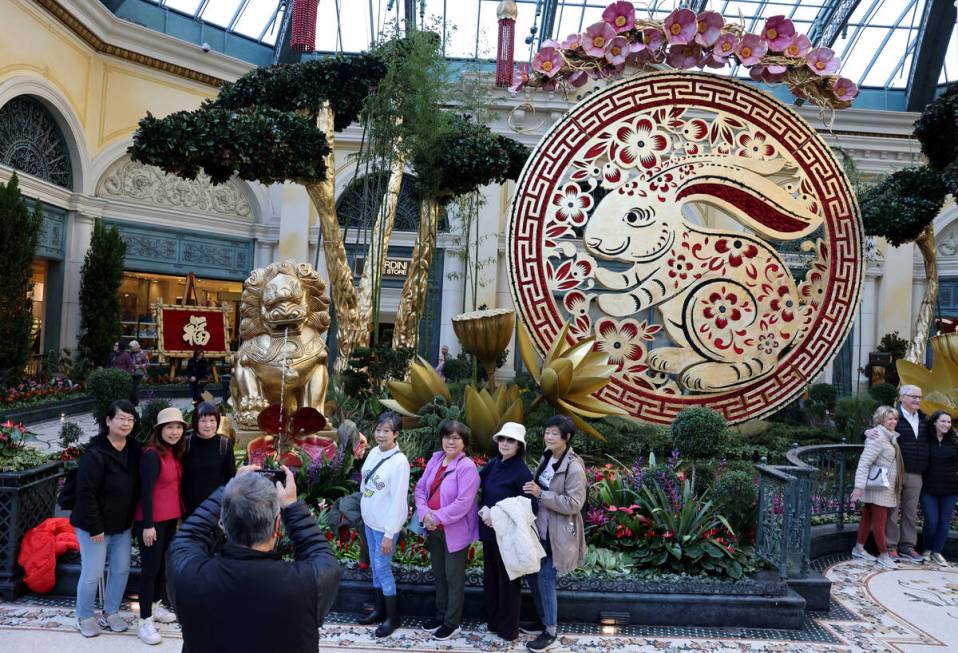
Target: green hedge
(106, 385)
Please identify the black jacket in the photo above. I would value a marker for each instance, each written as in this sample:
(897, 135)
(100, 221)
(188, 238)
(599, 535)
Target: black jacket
(246, 601)
(941, 477)
(914, 446)
(501, 480)
(207, 464)
(108, 486)
(199, 368)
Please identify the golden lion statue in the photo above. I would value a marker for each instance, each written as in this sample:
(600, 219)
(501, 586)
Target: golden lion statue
(283, 315)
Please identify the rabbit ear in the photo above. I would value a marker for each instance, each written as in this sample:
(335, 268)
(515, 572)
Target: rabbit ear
(739, 186)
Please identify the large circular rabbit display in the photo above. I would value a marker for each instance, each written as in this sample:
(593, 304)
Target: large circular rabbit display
(702, 231)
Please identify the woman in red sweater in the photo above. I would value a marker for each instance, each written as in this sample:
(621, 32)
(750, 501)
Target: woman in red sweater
(156, 516)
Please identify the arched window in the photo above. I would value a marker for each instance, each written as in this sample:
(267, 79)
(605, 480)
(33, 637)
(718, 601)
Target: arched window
(359, 203)
(31, 142)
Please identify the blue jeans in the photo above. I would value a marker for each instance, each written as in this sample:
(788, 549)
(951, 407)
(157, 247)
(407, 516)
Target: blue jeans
(93, 557)
(938, 511)
(382, 565)
(543, 587)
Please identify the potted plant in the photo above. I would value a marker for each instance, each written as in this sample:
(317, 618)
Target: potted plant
(28, 489)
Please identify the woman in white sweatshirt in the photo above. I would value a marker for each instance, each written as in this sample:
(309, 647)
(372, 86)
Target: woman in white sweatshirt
(384, 486)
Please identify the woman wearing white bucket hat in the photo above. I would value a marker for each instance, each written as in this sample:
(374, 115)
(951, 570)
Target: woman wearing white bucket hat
(501, 478)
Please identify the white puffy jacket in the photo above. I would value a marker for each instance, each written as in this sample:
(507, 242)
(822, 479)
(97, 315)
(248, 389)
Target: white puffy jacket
(517, 537)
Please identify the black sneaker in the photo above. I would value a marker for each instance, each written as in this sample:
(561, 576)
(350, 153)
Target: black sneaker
(445, 632)
(531, 627)
(543, 642)
(431, 625)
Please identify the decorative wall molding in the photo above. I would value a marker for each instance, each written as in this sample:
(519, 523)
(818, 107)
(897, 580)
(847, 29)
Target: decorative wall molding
(32, 142)
(143, 184)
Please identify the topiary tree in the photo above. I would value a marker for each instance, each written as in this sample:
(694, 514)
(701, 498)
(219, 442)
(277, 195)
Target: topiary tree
(884, 393)
(100, 280)
(736, 498)
(698, 433)
(106, 385)
(19, 235)
(148, 416)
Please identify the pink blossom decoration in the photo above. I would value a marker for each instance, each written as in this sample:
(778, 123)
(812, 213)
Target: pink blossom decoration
(550, 43)
(578, 78)
(597, 38)
(684, 56)
(723, 49)
(822, 61)
(709, 25)
(750, 49)
(620, 15)
(767, 74)
(618, 50)
(844, 89)
(547, 62)
(520, 78)
(680, 26)
(653, 39)
(572, 42)
(778, 33)
(798, 47)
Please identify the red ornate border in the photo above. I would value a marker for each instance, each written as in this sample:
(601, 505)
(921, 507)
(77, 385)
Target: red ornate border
(843, 228)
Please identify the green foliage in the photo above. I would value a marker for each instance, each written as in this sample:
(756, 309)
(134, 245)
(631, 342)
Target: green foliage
(100, 280)
(264, 145)
(148, 416)
(70, 434)
(900, 206)
(884, 393)
(19, 235)
(433, 414)
(370, 368)
(892, 343)
(662, 477)
(458, 368)
(824, 394)
(419, 442)
(106, 386)
(937, 129)
(853, 415)
(626, 440)
(22, 459)
(734, 495)
(606, 561)
(67, 364)
(698, 432)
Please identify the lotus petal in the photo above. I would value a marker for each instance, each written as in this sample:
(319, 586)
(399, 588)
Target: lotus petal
(394, 405)
(528, 352)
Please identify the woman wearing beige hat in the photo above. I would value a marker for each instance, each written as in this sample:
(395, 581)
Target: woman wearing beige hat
(156, 516)
(501, 478)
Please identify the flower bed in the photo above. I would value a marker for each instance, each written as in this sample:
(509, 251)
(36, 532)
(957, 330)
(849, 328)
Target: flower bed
(33, 393)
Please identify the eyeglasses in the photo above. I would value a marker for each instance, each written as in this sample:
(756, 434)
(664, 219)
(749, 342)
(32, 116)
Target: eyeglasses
(914, 396)
(452, 437)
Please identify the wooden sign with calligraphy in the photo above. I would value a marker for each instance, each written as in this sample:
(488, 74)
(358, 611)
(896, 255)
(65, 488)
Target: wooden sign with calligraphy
(183, 329)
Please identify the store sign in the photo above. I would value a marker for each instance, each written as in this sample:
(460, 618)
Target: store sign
(396, 267)
(182, 329)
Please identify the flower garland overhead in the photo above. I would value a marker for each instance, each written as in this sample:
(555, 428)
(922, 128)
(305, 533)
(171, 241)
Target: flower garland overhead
(683, 40)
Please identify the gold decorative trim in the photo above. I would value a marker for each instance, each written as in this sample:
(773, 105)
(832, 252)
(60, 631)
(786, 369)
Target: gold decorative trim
(98, 44)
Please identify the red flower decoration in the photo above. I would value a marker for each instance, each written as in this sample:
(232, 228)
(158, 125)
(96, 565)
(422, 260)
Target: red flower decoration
(736, 249)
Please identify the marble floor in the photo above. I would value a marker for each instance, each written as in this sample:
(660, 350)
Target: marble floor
(911, 610)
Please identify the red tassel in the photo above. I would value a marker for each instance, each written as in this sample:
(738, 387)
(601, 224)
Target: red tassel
(303, 37)
(504, 58)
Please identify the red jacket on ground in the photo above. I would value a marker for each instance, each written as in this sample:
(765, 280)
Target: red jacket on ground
(41, 547)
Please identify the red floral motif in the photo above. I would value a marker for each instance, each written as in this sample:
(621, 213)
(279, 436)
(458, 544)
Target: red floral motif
(623, 342)
(812, 289)
(583, 170)
(695, 130)
(768, 343)
(783, 303)
(577, 304)
(569, 275)
(573, 205)
(723, 307)
(642, 144)
(679, 268)
(555, 232)
(754, 145)
(736, 249)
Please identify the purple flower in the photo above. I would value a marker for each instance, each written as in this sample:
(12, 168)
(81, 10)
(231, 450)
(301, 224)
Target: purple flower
(767, 74)
(620, 15)
(822, 61)
(778, 33)
(653, 39)
(798, 46)
(684, 56)
(751, 49)
(723, 49)
(674, 458)
(844, 89)
(680, 26)
(577, 78)
(547, 62)
(618, 50)
(597, 39)
(596, 517)
(708, 25)
(572, 42)
(520, 78)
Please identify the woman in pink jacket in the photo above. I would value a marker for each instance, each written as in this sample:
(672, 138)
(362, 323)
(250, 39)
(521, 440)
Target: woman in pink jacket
(446, 507)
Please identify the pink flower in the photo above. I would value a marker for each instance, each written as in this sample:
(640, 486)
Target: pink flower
(684, 56)
(547, 62)
(653, 39)
(750, 49)
(577, 78)
(680, 26)
(844, 89)
(520, 78)
(620, 15)
(597, 38)
(724, 48)
(572, 42)
(798, 46)
(822, 61)
(618, 50)
(709, 24)
(778, 33)
(767, 74)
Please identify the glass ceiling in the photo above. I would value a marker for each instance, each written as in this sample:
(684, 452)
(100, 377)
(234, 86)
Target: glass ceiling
(876, 46)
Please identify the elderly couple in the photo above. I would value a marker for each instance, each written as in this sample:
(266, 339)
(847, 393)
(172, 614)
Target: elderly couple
(521, 512)
(908, 459)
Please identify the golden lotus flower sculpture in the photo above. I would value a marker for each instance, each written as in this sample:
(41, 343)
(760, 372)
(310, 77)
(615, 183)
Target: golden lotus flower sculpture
(486, 412)
(939, 386)
(423, 386)
(485, 335)
(569, 375)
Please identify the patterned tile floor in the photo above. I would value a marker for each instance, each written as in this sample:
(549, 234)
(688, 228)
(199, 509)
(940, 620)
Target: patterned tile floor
(912, 610)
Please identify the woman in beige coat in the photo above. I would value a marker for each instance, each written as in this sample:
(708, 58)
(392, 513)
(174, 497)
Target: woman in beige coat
(882, 451)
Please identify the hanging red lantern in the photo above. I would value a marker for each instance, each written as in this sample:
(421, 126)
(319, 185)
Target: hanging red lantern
(303, 37)
(506, 12)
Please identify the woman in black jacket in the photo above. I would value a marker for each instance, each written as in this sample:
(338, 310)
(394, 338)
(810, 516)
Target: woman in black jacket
(939, 487)
(108, 483)
(209, 462)
(197, 371)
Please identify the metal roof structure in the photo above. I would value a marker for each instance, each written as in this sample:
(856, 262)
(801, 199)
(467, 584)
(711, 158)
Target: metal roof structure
(900, 52)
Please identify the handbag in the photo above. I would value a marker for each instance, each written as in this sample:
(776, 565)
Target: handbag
(415, 524)
(877, 478)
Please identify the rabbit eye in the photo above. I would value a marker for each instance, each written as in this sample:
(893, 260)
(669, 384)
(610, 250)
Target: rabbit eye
(638, 217)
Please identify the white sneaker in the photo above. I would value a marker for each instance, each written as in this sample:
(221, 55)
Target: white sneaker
(860, 552)
(886, 562)
(161, 615)
(147, 632)
(939, 560)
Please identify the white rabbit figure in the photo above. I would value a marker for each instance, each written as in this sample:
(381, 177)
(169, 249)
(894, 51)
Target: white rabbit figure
(727, 299)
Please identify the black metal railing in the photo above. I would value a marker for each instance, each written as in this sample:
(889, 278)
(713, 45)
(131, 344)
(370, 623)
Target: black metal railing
(783, 528)
(832, 481)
